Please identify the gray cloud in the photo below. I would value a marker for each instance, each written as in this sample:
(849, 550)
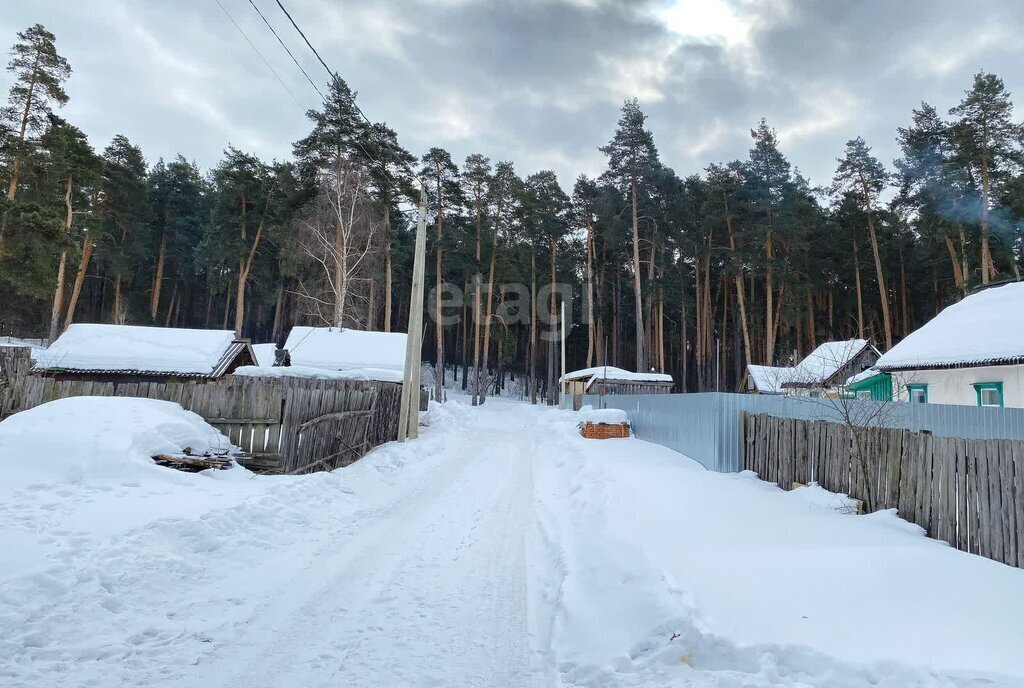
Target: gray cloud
(539, 82)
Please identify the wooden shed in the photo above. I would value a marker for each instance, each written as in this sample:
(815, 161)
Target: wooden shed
(603, 380)
(133, 353)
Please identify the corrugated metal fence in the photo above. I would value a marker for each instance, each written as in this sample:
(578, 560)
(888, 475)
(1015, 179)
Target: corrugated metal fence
(706, 427)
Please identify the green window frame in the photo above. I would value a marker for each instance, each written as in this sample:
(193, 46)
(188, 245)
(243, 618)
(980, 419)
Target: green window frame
(997, 387)
(917, 388)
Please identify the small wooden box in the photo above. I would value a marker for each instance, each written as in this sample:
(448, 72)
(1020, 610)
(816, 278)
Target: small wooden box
(604, 431)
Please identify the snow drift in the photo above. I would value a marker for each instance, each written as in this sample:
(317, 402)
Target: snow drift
(98, 438)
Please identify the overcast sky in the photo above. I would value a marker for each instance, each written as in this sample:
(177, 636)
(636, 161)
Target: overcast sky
(539, 82)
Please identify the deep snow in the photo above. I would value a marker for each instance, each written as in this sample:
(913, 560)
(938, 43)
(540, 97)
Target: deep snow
(499, 549)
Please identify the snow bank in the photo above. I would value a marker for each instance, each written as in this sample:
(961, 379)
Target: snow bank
(98, 438)
(130, 347)
(377, 374)
(333, 349)
(985, 327)
(665, 574)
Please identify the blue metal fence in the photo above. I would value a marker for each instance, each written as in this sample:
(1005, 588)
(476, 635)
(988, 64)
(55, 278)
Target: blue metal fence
(706, 426)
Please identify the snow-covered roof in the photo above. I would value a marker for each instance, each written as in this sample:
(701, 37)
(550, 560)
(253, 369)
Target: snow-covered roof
(89, 348)
(264, 354)
(986, 328)
(769, 379)
(822, 364)
(330, 348)
(591, 375)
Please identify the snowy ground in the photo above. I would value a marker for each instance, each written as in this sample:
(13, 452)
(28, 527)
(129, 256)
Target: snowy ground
(499, 549)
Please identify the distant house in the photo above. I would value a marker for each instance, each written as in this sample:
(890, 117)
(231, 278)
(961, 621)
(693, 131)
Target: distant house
(970, 354)
(612, 380)
(761, 379)
(142, 354)
(823, 371)
(831, 364)
(331, 352)
(870, 384)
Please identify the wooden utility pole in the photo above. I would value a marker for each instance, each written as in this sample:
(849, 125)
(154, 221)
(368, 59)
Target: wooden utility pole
(408, 416)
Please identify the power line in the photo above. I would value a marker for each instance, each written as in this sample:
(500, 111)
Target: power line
(332, 74)
(311, 82)
(287, 14)
(257, 50)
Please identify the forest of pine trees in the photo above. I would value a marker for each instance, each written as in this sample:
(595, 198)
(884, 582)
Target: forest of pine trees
(695, 276)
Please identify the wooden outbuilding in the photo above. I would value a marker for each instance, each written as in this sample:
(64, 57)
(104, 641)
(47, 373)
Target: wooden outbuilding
(133, 353)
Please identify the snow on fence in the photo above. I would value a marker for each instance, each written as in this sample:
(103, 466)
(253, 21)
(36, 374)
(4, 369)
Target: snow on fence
(968, 492)
(706, 426)
(286, 424)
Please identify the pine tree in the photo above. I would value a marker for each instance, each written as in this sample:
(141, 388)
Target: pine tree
(123, 214)
(861, 174)
(74, 168)
(988, 142)
(441, 177)
(40, 73)
(632, 159)
(546, 215)
(769, 177)
(392, 180)
(476, 175)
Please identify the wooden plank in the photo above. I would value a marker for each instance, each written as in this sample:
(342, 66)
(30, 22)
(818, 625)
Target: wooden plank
(1017, 455)
(1009, 516)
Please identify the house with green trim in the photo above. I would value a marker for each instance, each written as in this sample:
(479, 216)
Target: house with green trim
(870, 384)
(970, 354)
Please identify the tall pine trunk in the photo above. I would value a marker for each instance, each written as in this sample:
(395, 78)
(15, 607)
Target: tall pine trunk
(769, 292)
(641, 349)
(590, 292)
(387, 268)
(533, 327)
(552, 327)
(438, 322)
(882, 291)
(76, 290)
(58, 293)
(860, 297)
(158, 278)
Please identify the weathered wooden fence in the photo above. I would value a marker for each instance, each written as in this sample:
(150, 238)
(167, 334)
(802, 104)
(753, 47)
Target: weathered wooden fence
(967, 492)
(287, 424)
(15, 364)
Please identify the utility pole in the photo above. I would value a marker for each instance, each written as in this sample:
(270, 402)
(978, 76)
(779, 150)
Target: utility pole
(408, 415)
(561, 380)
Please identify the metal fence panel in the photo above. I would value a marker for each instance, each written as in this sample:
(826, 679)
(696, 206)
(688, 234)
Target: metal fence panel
(706, 426)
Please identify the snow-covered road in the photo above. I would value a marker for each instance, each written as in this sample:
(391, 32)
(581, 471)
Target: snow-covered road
(499, 549)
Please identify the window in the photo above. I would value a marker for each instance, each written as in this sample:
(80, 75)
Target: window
(989, 394)
(864, 394)
(918, 394)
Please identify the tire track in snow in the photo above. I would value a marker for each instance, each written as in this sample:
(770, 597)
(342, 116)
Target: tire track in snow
(431, 592)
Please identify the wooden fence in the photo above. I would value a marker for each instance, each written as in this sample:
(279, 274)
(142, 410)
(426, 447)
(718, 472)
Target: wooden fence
(288, 425)
(967, 492)
(15, 364)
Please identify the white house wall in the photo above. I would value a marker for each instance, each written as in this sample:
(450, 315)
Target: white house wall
(956, 386)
